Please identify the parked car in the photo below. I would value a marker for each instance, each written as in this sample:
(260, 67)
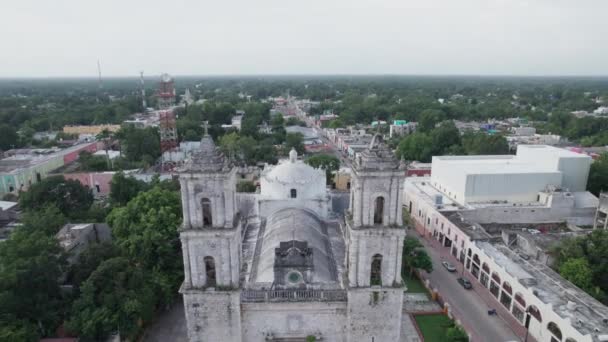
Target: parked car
(465, 283)
(448, 266)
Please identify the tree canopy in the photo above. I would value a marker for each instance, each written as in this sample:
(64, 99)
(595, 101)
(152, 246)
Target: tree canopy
(71, 197)
(415, 257)
(145, 230)
(326, 162)
(582, 260)
(598, 175)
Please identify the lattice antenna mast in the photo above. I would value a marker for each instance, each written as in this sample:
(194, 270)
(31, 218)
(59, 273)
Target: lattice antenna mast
(143, 92)
(99, 84)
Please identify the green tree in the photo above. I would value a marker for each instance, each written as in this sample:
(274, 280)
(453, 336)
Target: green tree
(575, 255)
(456, 334)
(481, 143)
(445, 137)
(578, 272)
(145, 230)
(277, 121)
(69, 196)
(90, 162)
(416, 146)
(295, 141)
(245, 186)
(31, 262)
(123, 188)
(415, 257)
(48, 220)
(8, 137)
(598, 175)
(429, 118)
(117, 297)
(89, 260)
(326, 162)
(140, 145)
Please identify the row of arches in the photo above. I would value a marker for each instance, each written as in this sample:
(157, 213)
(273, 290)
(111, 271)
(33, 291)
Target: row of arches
(503, 292)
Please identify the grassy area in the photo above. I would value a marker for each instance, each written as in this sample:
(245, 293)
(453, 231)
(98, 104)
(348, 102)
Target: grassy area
(414, 285)
(433, 327)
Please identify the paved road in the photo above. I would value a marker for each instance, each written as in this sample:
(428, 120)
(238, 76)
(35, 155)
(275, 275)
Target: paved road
(467, 305)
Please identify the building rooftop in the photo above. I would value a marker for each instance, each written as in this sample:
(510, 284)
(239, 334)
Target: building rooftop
(586, 314)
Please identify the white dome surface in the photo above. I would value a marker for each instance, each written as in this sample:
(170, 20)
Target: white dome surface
(278, 181)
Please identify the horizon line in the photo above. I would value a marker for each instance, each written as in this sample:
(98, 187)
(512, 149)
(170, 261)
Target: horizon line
(247, 75)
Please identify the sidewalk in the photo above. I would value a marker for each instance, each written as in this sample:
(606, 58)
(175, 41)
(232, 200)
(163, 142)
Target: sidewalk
(482, 292)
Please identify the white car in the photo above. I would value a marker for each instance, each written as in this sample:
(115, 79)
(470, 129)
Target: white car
(448, 266)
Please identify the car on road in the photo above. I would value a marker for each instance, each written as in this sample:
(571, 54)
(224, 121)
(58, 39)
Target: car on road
(465, 283)
(448, 266)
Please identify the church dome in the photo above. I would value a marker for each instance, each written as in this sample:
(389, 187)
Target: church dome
(293, 174)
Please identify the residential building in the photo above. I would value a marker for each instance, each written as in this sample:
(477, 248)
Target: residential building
(23, 167)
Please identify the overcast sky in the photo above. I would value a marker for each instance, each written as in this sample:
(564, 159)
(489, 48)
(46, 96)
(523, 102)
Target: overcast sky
(42, 38)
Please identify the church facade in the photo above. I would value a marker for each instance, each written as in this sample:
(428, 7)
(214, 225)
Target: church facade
(282, 265)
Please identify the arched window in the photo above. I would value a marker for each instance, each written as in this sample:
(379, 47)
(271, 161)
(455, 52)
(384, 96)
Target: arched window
(210, 270)
(507, 287)
(534, 312)
(495, 285)
(520, 299)
(206, 207)
(379, 210)
(496, 277)
(519, 307)
(485, 267)
(293, 193)
(555, 331)
(505, 297)
(376, 270)
(476, 259)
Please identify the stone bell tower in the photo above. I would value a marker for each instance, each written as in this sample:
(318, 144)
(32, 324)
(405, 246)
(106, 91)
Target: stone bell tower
(210, 236)
(375, 236)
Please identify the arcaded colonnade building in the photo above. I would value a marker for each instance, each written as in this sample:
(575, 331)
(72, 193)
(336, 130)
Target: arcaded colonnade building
(282, 265)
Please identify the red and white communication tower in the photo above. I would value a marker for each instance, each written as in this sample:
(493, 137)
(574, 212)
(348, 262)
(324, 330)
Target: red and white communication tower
(166, 100)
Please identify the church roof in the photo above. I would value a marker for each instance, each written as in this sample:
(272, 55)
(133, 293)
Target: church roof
(208, 158)
(294, 171)
(291, 224)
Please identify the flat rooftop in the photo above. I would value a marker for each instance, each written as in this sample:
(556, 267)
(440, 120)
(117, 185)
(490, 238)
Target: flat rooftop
(429, 194)
(588, 315)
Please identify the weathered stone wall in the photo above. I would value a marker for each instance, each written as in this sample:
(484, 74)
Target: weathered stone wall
(213, 316)
(364, 243)
(367, 186)
(375, 315)
(223, 245)
(297, 320)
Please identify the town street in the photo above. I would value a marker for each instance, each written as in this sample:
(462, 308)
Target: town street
(467, 305)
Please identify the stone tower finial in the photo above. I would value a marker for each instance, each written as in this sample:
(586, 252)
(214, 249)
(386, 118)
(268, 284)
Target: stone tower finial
(206, 127)
(293, 155)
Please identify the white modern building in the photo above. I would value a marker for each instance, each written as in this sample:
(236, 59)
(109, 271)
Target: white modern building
(514, 178)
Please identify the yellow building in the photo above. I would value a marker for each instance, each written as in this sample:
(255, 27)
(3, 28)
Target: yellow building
(342, 179)
(93, 129)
